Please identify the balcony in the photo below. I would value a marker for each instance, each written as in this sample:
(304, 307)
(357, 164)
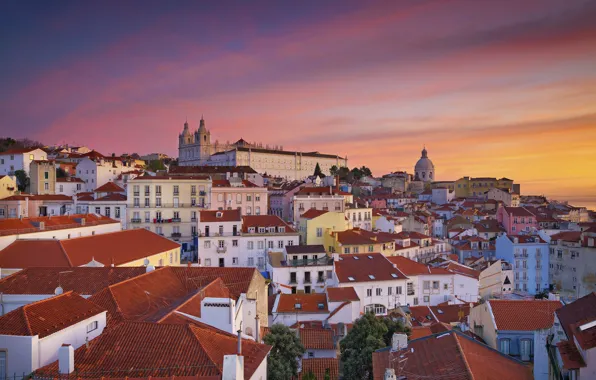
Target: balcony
(176, 220)
(136, 193)
(176, 235)
(147, 193)
(325, 260)
(202, 193)
(320, 280)
(176, 193)
(135, 220)
(292, 281)
(193, 219)
(158, 193)
(223, 249)
(193, 193)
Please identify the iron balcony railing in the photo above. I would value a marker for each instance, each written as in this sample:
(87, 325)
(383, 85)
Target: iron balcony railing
(172, 205)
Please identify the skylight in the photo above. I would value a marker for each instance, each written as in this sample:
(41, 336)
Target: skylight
(321, 306)
(370, 257)
(393, 275)
(440, 311)
(371, 276)
(351, 278)
(356, 258)
(297, 306)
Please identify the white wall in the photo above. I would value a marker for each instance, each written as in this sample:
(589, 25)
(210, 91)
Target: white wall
(319, 354)
(21, 354)
(218, 316)
(261, 371)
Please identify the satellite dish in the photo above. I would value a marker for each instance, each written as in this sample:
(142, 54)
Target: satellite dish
(150, 268)
(58, 291)
(146, 262)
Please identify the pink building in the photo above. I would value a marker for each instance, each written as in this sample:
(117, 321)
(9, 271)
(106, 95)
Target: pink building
(237, 193)
(281, 199)
(516, 220)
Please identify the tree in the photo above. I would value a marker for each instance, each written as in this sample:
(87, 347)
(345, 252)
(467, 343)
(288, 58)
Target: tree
(22, 180)
(155, 165)
(343, 172)
(318, 172)
(60, 173)
(356, 173)
(333, 170)
(286, 348)
(368, 335)
(309, 376)
(366, 172)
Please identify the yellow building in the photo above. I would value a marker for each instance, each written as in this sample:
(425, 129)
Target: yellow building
(474, 187)
(8, 186)
(314, 224)
(359, 241)
(42, 177)
(443, 184)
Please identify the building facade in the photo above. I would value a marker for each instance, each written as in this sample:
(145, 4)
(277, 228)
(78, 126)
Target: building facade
(19, 159)
(196, 148)
(42, 177)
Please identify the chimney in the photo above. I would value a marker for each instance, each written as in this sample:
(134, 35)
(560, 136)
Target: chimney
(337, 183)
(399, 341)
(239, 348)
(389, 374)
(257, 329)
(66, 359)
(233, 367)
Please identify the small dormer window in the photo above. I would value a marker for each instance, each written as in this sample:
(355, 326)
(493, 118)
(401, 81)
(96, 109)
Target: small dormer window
(393, 275)
(350, 278)
(218, 214)
(321, 306)
(261, 230)
(251, 230)
(281, 229)
(371, 276)
(298, 306)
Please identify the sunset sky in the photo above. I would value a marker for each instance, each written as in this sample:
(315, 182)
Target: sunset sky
(493, 88)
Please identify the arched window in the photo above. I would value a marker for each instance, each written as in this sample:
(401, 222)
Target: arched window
(377, 309)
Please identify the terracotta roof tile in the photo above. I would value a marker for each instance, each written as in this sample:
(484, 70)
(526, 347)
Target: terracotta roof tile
(109, 187)
(264, 221)
(48, 316)
(570, 356)
(302, 303)
(417, 332)
(14, 226)
(208, 216)
(154, 350)
(113, 247)
(317, 339)
(576, 313)
(570, 236)
(451, 313)
(518, 211)
(237, 280)
(365, 267)
(313, 213)
(320, 366)
(82, 280)
(342, 294)
(413, 268)
(421, 316)
(513, 314)
(69, 179)
(451, 355)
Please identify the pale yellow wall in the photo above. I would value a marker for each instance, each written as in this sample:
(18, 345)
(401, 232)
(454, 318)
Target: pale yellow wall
(155, 259)
(335, 221)
(480, 315)
(258, 291)
(7, 182)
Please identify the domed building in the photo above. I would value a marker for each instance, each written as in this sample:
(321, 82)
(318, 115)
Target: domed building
(425, 169)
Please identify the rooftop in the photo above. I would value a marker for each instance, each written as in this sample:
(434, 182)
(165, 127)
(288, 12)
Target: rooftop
(16, 226)
(343, 294)
(109, 187)
(513, 314)
(48, 316)
(313, 213)
(266, 221)
(302, 303)
(576, 314)
(320, 366)
(317, 339)
(450, 355)
(208, 216)
(413, 268)
(300, 249)
(365, 267)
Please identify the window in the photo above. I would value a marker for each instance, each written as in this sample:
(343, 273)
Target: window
(207, 262)
(398, 290)
(415, 300)
(107, 212)
(98, 210)
(525, 349)
(248, 198)
(280, 244)
(410, 288)
(319, 231)
(251, 261)
(290, 242)
(426, 285)
(436, 285)
(176, 189)
(257, 198)
(171, 258)
(258, 210)
(504, 346)
(234, 243)
(379, 292)
(371, 248)
(146, 202)
(46, 186)
(117, 212)
(220, 197)
(220, 243)
(234, 261)
(92, 326)
(269, 244)
(347, 250)
(356, 249)
(207, 244)
(427, 299)
(389, 291)
(369, 292)
(251, 245)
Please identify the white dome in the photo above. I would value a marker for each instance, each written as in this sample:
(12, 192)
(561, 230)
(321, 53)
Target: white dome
(424, 169)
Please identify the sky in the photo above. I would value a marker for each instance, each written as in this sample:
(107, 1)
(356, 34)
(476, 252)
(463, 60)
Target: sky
(492, 88)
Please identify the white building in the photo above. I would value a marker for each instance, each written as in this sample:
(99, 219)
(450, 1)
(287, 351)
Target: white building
(108, 200)
(69, 186)
(196, 148)
(227, 239)
(97, 172)
(19, 159)
(319, 198)
(442, 195)
(497, 279)
(236, 193)
(300, 269)
(31, 336)
(387, 223)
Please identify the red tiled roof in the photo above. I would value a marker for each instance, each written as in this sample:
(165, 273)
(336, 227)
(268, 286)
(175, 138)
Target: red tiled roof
(457, 268)
(264, 221)
(342, 294)
(319, 367)
(237, 280)
(570, 236)
(577, 313)
(321, 190)
(309, 303)
(422, 331)
(365, 267)
(570, 356)
(14, 226)
(518, 211)
(41, 197)
(421, 316)
(18, 151)
(173, 178)
(317, 339)
(151, 349)
(513, 314)
(48, 316)
(451, 313)
(450, 355)
(413, 268)
(81, 280)
(313, 213)
(109, 187)
(69, 179)
(110, 248)
(112, 197)
(226, 183)
(207, 216)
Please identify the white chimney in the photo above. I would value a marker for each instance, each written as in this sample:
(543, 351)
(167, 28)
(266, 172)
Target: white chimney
(389, 374)
(66, 359)
(399, 341)
(233, 367)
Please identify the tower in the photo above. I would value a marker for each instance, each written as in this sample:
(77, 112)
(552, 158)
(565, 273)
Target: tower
(203, 140)
(425, 169)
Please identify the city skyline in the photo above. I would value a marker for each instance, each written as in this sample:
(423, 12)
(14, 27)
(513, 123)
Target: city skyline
(502, 89)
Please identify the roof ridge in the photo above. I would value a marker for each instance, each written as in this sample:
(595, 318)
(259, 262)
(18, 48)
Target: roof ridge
(27, 306)
(65, 253)
(191, 330)
(337, 309)
(463, 355)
